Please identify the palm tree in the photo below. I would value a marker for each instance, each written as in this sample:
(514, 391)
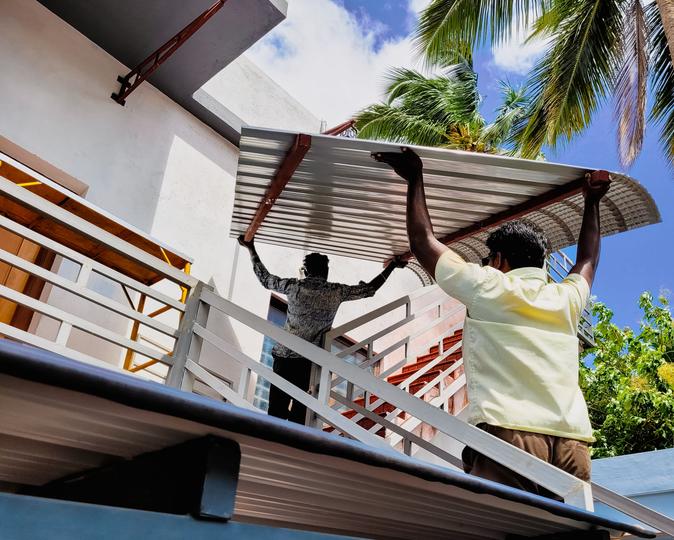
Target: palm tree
(598, 49)
(443, 111)
(666, 8)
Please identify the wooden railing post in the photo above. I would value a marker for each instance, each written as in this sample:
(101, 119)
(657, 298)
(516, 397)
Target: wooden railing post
(187, 345)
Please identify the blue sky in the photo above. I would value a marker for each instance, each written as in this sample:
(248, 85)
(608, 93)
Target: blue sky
(334, 77)
(392, 14)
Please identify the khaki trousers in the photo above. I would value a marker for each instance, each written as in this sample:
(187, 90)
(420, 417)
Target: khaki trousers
(569, 455)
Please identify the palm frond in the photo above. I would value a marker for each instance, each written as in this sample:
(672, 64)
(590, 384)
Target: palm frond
(662, 80)
(464, 96)
(401, 81)
(576, 73)
(446, 99)
(631, 85)
(547, 23)
(450, 28)
(511, 113)
(387, 123)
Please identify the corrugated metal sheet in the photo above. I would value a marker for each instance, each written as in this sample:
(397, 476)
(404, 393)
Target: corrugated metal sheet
(340, 201)
(59, 417)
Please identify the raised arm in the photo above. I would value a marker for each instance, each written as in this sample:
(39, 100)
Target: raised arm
(423, 244)
(365, 290)
(268, 281)
(589, 240)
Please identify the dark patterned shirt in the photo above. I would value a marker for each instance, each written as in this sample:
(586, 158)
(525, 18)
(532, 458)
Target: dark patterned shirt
(312, 304)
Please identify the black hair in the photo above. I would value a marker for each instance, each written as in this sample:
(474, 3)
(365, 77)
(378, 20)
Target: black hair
(521, 243)
(316, 265)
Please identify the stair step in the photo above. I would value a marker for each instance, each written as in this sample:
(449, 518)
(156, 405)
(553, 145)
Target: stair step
(423, 360)
(365, 423)
(447, 342)
(384, 408)
(426, 377)
(413, 368)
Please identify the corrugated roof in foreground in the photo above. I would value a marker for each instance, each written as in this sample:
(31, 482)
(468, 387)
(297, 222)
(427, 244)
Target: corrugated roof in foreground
(340, 201)
(60, 417)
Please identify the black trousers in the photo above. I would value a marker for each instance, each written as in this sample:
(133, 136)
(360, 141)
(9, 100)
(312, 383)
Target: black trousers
(296, 371)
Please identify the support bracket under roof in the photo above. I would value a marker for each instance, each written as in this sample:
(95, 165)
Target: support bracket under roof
(283, 175)
(147, 67)
(197, 477)
(536, 203)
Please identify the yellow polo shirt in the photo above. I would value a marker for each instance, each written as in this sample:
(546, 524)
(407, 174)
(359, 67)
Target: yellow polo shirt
(520, 346)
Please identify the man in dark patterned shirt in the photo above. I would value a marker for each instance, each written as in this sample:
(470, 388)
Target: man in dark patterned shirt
(312, 305)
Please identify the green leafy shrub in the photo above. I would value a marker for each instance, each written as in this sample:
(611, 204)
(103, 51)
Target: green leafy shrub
(628, 381)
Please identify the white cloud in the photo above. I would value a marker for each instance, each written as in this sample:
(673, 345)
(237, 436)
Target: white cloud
(417, 6)
(414, 9)
(334, 62)
(329, 60)
(516, 56)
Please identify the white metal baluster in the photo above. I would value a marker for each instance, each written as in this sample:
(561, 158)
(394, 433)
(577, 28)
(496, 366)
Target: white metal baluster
(349, 391)
(83, 275)
(324, 386)
(63, 333)
(244, 383)
(188, 344)
(66, 328)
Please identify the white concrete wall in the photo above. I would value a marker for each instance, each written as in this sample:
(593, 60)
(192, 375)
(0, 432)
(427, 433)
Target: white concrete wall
(247, 92)
(56, 104)
(150, 163)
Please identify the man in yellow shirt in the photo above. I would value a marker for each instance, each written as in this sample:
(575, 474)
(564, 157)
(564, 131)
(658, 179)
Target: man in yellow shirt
(520, 345)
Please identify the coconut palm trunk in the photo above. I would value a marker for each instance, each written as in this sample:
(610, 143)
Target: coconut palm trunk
(666, 8)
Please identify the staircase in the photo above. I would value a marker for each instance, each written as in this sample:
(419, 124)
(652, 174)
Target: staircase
(422, 372)
(425, 360)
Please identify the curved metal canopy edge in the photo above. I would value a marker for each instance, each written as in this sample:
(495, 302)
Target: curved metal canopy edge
(339, 201)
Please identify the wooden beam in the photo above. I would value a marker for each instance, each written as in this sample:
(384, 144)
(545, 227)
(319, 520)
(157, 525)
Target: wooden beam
(520, 210)
(285, 172)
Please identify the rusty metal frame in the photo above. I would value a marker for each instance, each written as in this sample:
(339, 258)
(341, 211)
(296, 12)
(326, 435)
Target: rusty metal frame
(536, 203)
(285, 172)
(341, 128)
(147, 67)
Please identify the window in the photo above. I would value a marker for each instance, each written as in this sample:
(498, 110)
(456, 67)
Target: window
(276, 315)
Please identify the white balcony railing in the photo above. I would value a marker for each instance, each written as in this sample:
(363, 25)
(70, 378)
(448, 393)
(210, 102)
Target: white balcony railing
(92, 312)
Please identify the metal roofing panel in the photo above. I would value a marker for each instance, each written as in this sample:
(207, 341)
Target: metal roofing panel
(59, 417)
(340, 201)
